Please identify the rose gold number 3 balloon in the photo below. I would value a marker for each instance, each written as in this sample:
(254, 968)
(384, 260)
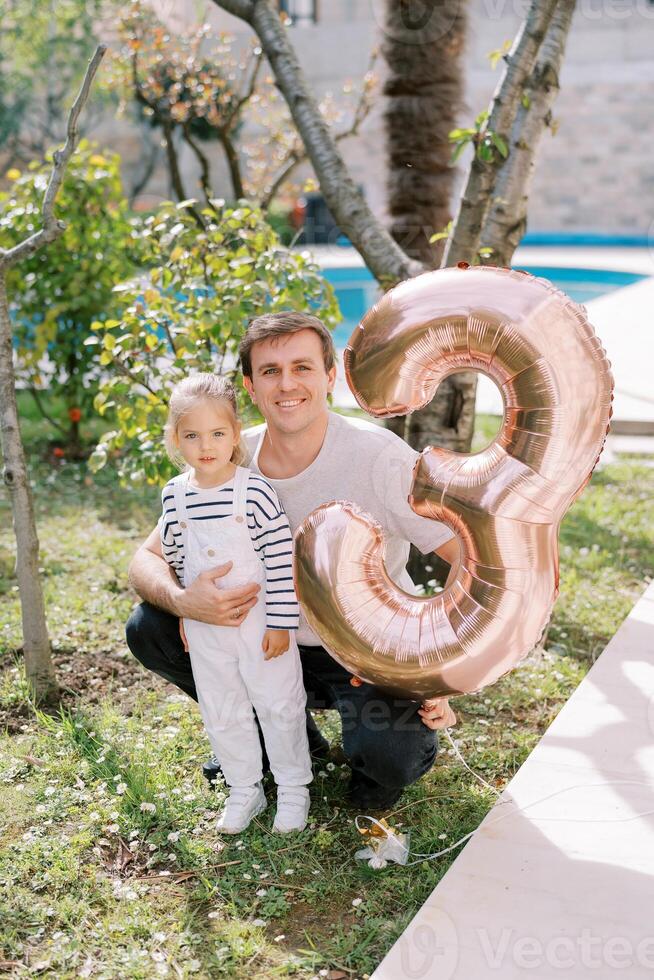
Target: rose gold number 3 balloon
(504, 504)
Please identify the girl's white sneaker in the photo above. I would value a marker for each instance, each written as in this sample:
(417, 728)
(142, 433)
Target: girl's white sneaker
(243, 803)
(292, 809)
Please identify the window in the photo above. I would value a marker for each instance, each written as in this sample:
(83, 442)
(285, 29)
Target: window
(301, 12)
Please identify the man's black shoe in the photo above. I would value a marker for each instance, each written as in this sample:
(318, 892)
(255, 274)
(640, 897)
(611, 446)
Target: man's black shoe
(211, 770)
(319, 747)
(365, 794)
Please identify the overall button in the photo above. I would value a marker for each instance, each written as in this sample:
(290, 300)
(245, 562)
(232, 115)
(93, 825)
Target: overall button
(211, 552)
(239, 519)
(182, 523)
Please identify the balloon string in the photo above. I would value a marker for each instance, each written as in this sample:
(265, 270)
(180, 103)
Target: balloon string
(463, 762)
(445, 850)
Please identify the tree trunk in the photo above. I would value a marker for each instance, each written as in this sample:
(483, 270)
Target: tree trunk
(385, 259)
(173, 163)
(388, 263)
(39, 669)
(475, 200)
(233, 164)
(424, 95)
(423, 49)
(36, 644)
(507, 219)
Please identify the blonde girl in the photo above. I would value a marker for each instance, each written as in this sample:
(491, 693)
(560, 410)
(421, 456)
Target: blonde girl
(216, 511)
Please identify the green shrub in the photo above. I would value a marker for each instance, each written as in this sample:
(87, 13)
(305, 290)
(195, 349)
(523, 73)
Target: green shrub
(61, 290)
(187, 312)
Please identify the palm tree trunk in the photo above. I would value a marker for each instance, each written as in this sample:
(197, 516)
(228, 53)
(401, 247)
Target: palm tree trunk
(423, 44)
(423, 49)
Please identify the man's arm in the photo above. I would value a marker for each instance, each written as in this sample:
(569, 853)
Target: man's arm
(152, 577)
(155, 581)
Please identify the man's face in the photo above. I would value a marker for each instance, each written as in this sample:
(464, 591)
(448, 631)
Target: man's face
(289, 382)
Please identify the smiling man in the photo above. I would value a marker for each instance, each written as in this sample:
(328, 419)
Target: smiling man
(311, 455)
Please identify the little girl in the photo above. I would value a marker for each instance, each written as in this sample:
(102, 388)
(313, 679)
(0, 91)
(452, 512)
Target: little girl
(217, 511)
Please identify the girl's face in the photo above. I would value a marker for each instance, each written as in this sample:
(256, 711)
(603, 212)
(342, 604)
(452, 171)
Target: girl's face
(206, 437)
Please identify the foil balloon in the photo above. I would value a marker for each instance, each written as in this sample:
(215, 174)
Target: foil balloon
(504, 504)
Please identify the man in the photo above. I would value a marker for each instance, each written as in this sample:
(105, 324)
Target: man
(310, 455)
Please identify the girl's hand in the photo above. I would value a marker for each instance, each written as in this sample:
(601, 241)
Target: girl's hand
(182, 633)
(275, 643)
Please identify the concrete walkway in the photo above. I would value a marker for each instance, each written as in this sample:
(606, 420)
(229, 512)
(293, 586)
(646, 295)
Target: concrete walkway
(559, 879)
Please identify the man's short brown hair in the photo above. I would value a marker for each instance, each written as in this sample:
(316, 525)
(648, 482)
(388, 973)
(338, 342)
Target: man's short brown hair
(279, 325)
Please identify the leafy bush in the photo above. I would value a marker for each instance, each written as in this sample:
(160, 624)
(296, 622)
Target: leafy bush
(207, 274)
(60, 291)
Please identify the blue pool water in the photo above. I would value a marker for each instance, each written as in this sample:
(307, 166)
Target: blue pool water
(357, 290)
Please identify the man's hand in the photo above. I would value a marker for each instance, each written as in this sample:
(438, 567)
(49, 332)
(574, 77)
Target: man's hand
(436, 714)
(275, 643)
(155, 581)
(218, 607)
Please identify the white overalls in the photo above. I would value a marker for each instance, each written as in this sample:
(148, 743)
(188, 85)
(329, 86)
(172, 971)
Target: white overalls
(231, 675)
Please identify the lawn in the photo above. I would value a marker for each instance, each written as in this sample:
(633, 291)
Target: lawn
(109, 863)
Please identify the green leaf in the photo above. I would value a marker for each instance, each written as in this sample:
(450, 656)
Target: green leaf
(485, 152)
(500, 144)
(456, 134)
(97, 459)
(440, 235)
(206, 292)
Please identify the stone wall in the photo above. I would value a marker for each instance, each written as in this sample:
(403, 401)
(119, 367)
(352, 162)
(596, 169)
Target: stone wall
(595, 175)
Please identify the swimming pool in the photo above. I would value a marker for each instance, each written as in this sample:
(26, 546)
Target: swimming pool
(357, 290)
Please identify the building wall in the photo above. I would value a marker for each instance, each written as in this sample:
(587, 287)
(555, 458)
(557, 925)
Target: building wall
(595, 175)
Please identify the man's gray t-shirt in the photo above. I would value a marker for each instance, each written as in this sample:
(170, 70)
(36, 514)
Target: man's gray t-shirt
(372, 467)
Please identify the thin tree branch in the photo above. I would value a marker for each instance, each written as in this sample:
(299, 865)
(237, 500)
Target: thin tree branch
(171, 340)
(240, 8)
(382, 255)
(292, 162)
(233, 163)
(132, 377)
(39, 668)
(297, 156)
(249, 92)
(205, 179)
(39, 404)
(364, 105)
(507, 218)
(173, 163)
(475, 200)
(52, 227)
(153, 149)
(168, 129)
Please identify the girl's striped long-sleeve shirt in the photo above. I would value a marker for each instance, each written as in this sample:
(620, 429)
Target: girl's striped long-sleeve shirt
(269, 531)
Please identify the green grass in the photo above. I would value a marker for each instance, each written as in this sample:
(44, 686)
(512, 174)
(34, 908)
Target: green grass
(109, 863)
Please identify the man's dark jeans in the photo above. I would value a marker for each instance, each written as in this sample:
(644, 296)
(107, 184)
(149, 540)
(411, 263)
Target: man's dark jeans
(383, 737)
